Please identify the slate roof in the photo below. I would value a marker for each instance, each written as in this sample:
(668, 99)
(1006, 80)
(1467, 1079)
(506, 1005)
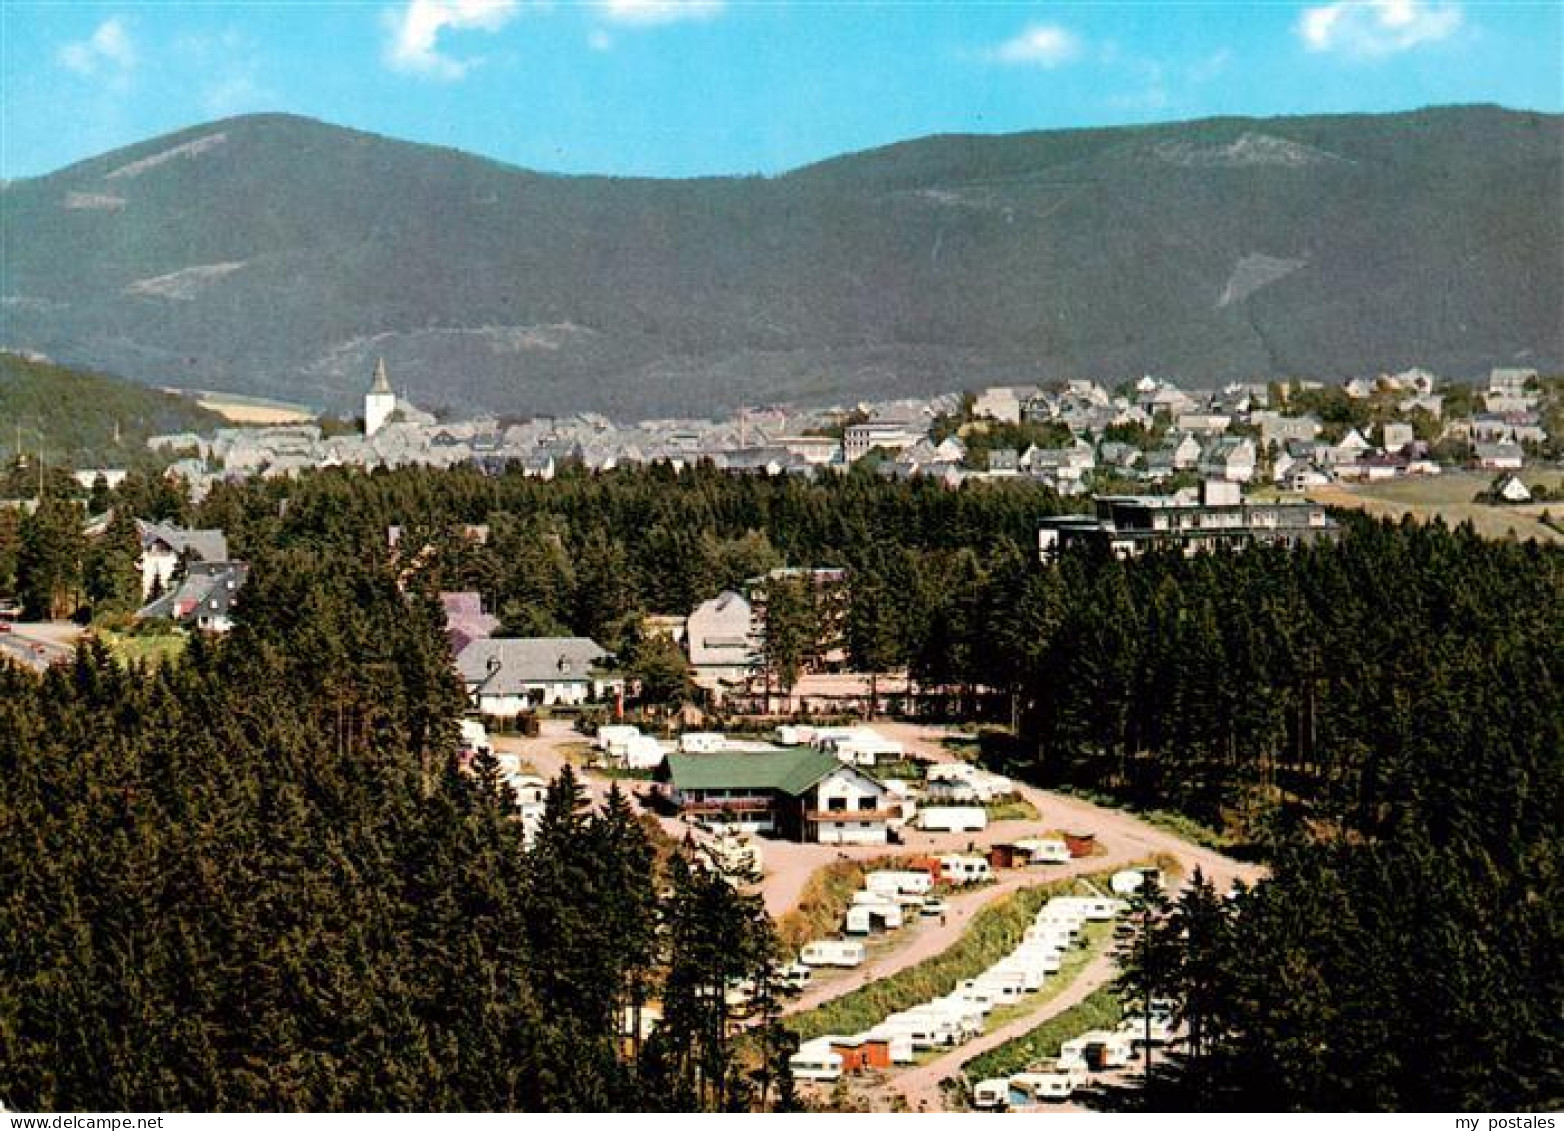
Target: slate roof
(791, 770)
(208, 590)
(523, 660)
(718, 643)
(1498, 451)
(207, 545)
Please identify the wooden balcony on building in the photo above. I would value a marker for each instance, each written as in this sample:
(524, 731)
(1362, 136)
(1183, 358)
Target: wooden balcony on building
(818, 815)
(729, 805)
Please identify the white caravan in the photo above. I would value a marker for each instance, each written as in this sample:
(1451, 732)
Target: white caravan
(832, 952)
(866, 918)
(1046, 1087)
(1045, 850)
(814, 1060)
(965, 869)
(991, 1095)
(899, 883)
(952, 819)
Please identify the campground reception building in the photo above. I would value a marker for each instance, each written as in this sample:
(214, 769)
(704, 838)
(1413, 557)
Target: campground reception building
(798, 793)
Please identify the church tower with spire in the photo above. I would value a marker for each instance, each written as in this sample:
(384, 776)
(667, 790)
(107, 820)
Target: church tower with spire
(379, 402)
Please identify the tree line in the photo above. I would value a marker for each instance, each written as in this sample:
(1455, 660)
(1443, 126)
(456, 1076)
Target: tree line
(258, 878)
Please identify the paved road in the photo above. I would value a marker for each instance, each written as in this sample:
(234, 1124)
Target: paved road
(38, 645)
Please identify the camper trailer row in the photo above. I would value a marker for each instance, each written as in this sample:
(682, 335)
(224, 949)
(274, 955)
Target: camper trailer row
(1098, 1050)
(855, 745)
(715, 742)
(961, 783)
(960, 1015)
(626, 746)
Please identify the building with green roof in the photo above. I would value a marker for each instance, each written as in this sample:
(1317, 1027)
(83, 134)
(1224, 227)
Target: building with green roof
(796, 792)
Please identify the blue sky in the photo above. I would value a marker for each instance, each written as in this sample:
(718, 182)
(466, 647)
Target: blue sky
(685, 87)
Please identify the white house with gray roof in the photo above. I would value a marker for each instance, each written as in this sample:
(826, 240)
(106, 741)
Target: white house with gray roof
(506, 677)
(162, 546)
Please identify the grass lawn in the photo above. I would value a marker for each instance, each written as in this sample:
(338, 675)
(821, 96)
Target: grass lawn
(145, 649)
(901, 769)
(1448, 496)
(965, 747)
(621, 773)
(1013, 809)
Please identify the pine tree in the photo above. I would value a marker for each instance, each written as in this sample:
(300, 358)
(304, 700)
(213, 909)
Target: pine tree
(48, 565)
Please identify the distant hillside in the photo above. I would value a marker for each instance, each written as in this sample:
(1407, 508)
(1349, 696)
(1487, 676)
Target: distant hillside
(278, 256)
(77, 413)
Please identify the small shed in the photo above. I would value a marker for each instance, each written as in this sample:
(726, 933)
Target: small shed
(1080, 844)
(859, 1054)
(1007, 856)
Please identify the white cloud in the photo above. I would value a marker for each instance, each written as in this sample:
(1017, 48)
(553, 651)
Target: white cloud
(107, 52)
(414, 43)
(1375, 28)
(1040, 45)
(649, 12)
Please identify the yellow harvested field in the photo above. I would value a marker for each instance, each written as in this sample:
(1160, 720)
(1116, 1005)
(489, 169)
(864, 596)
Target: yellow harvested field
(241, 411)
(1447, 496)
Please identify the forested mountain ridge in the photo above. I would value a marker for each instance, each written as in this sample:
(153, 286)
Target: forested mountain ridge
(87, 418)
(276, 255)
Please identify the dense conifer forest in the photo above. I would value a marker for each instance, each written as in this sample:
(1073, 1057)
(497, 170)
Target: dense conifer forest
(256, 878)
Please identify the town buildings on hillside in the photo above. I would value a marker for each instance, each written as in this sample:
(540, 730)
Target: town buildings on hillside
(1149, 431)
